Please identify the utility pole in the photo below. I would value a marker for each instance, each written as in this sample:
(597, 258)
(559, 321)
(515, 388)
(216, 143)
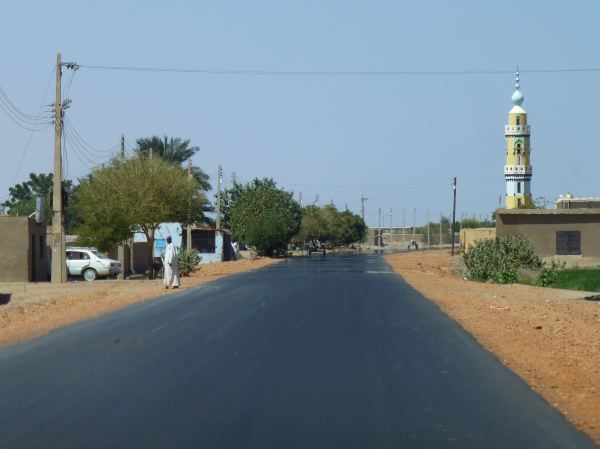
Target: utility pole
(428, 236)
(391, 229)
(121, 247)
(414, 222)
(300, 198)
(59, 263)
(188, 235)
(363, 198)
(453, 213)
(233, 179)
(441, 236)
(219, 180)
(379, 230)
(403, 222)
(317, 199)
(151, 153)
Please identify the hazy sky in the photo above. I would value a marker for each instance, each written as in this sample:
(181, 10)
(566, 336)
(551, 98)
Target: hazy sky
(397, 139)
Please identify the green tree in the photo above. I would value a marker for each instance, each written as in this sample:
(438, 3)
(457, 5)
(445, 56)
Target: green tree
(328, 224)
(264, 216)
(135, 195)
(22, 198)
(174, 150)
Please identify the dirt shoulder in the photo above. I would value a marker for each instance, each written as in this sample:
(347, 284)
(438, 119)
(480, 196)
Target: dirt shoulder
(546, 336)
(28, 310)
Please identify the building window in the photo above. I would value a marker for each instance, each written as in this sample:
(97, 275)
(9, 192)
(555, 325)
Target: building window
(518, 187)
(518, 202)
(203, 241)
(518, 120)
(568, 243)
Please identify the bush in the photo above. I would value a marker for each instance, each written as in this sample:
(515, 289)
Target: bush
(187, 261)
(547, 277)
(500, 259)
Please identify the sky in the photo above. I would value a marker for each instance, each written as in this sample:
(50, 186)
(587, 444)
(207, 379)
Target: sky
(397, 139)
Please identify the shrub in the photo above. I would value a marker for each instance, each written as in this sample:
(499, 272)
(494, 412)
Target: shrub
(187, 261)
(547, 277)
(499, 259)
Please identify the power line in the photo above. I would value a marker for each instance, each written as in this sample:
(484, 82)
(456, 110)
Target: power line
(337, 72)
(31, 132)
(85, 146)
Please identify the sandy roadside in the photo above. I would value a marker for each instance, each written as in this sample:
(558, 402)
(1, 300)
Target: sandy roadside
(546, 336)
(30, 310)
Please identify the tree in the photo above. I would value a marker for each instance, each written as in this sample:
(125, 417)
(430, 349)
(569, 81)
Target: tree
(174, 150)
(328, 224)
(22, 198)
(264, 216)
(135, 195)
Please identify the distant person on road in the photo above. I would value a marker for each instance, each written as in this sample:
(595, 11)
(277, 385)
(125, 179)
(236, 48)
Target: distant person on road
(414, 244)
(171, 268)
(235, 249)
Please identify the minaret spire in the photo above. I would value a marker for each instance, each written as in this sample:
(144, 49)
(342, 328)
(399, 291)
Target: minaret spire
(517, 85)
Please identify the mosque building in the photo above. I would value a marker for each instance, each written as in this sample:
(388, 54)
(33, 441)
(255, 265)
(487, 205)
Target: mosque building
(517, 170)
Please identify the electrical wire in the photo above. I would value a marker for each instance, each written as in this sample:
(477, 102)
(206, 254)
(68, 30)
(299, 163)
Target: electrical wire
(84, 146)
(338, 72)
(31, 132)
(27, 118)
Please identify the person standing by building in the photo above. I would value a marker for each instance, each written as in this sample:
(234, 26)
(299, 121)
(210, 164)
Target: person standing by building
(171, 268)
(234, 250)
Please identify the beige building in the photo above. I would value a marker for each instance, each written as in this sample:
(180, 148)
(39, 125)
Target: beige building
(469, 236)
(23, 252)
(554, 232)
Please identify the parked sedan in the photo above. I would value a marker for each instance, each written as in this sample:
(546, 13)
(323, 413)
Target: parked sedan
(90, 264)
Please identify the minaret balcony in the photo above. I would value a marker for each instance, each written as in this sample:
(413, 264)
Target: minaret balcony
(517, 130)
(518, 170)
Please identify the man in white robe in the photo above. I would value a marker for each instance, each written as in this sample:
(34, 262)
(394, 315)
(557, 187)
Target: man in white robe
(171, 268)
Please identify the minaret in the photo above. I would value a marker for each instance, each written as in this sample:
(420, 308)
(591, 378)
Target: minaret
(517, 171)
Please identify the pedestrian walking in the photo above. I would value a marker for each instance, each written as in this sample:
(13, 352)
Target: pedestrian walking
(171, 277)
(234, 250)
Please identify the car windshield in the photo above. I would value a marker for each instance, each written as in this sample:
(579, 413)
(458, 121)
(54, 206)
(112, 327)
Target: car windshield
(99, 255)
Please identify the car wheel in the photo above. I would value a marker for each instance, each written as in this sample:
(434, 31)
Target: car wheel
(90, 274)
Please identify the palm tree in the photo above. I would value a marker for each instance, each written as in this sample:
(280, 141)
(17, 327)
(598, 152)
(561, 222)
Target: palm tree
(175, 150)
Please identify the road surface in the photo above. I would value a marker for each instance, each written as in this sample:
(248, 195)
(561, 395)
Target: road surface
(321, 352)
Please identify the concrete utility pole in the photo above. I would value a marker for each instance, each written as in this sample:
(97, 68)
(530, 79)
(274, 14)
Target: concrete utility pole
(59, 263)
(121, 247)
(363, 198)
(317, 199)
(391, 229)
(379, 230)
(233, 179)
(403, 223)
(428, 236)
(453, 213)
(441, 237)
(188, 235)
(219, 180)
(414, 222)
(300, 198)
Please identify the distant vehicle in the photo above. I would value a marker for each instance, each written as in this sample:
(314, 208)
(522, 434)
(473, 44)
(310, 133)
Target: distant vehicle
(89, 263)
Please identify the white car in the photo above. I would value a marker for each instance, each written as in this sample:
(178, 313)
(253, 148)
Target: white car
(90, 263)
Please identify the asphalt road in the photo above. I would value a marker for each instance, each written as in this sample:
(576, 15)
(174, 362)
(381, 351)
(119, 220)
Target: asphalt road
(326, 352)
